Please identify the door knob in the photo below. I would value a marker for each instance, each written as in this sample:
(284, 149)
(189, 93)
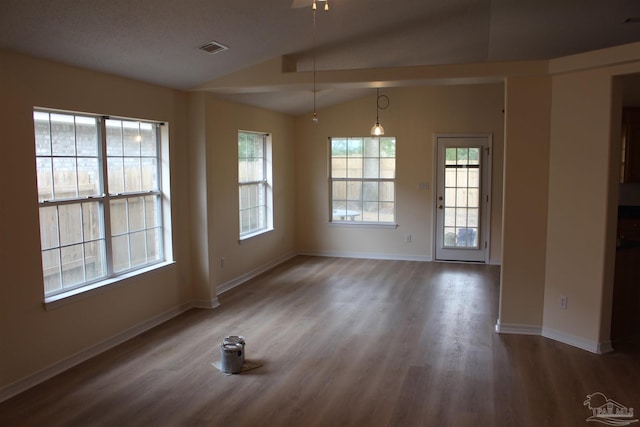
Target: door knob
(439, 206)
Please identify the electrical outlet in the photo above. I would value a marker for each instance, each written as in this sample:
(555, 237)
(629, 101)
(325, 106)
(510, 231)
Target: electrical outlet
(407, 238)
(563, 302)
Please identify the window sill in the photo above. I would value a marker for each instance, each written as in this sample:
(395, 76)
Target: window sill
(362, 224)
(255, 234)
(56, 301)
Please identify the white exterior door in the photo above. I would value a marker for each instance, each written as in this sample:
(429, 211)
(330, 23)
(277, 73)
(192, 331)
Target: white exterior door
(462, 197)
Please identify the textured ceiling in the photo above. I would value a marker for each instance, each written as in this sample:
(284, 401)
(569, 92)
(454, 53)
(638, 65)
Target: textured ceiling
(157, 40)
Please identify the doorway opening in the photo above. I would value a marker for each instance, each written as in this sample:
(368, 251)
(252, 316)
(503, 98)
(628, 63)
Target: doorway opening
(462, 197)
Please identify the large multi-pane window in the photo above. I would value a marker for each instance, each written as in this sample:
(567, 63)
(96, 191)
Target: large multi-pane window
(254, 181)
(362, 182)
(99, 195)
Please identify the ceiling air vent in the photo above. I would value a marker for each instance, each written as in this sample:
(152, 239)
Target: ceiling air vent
(213, 47)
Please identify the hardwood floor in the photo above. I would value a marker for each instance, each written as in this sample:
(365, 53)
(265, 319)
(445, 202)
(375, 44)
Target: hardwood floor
(343, 342)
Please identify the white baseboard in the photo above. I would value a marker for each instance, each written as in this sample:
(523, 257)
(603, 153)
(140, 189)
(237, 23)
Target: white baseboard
(224, 287)
(32, 380)
(514, 328)
(591, 346)
(572, 340)
(42, 375)
(206, 304)
(366, 255)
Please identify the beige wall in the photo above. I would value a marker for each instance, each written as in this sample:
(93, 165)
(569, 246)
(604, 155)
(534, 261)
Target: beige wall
(414, 116)
(223, 120)
(31, 338)
(583, 170)
(578, 191)
(524, 228)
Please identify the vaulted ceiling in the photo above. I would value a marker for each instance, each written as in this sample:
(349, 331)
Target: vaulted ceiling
(158, 41)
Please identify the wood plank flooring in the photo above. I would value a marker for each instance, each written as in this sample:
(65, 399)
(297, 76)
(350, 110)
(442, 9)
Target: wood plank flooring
(343, 342)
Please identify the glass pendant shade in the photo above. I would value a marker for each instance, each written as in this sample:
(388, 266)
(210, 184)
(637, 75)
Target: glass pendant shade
(377, 129)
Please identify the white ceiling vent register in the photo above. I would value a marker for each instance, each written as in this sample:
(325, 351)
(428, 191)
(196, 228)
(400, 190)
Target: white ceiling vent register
(213, 47)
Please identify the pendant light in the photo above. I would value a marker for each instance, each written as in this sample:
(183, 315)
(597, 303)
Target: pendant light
(377, 129)
(314, 6)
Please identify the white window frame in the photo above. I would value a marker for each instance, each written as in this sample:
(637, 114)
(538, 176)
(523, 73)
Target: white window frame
(345, 215)
(264, 190)
(104, 198)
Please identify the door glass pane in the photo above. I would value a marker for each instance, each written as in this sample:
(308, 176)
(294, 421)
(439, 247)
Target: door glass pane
(450, 156)
(461, 198)
(474, 156)
(462, 178)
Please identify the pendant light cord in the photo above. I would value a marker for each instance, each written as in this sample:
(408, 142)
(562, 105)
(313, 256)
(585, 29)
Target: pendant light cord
(315, 114)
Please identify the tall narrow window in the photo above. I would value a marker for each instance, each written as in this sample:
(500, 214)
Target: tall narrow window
(363, 172)
(99, 195)
(254, 182)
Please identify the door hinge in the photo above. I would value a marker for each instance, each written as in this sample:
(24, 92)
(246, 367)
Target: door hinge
(485, 245)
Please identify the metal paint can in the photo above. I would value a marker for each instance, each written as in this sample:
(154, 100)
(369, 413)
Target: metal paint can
(231, 355)
(236, 339)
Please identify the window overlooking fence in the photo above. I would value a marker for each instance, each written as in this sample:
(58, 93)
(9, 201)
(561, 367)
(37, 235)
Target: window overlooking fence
(100, 197)
(362, 181)
(255, 183)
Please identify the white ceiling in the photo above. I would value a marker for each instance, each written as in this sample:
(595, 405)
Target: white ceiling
(157, 40)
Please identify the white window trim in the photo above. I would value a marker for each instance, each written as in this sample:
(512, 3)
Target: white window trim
(268, 182)
(76, 294)
(89, 288)
(361, 224)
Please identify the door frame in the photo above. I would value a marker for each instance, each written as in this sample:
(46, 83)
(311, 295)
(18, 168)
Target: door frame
(485, 220)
